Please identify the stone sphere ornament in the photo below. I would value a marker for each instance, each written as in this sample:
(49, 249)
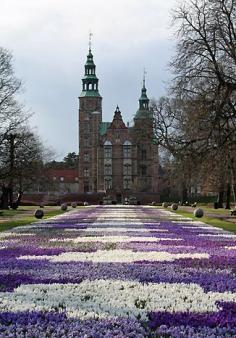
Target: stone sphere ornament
(39, 214)
(64, 207)
(198, 213)
(74, 205)
(174, 206)
(165, 205)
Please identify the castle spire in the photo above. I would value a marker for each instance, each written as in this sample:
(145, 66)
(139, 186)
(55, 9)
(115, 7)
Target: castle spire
(144, 100)
(90, 41)
(143, 111)
(90, 80)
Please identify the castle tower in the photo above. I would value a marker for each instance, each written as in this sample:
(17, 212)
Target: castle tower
(146, 148)
(90, 117)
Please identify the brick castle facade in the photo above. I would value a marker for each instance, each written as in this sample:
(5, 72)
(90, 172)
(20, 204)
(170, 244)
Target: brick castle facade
(116, 159)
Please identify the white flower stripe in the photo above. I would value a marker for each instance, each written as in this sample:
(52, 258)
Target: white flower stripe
(117, 256)
(113, 298)
(116, 229)
(114, 239)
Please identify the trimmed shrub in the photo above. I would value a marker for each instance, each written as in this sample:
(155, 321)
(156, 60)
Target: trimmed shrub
(198, 213)
(73, 204)
(174, 206)
(165, 205)
(38, 213)
(64, 207)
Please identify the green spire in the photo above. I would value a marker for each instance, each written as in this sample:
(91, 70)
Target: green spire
(90, 80)
(144, 100)
(143, 111)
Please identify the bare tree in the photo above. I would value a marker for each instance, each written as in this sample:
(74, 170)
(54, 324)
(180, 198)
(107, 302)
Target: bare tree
(205, 62)
(22, 163)
(11, 111)
(199, 118)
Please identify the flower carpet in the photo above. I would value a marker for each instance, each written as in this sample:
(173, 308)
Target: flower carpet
(118, 271)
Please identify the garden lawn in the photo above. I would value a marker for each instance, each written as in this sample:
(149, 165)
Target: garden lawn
(118, 271)
(216, 222)
(24, 215)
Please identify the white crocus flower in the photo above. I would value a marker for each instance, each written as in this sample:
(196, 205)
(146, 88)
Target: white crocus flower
(117, 256)
(113, 298)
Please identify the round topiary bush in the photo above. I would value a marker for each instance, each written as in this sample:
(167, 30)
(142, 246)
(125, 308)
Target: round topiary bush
(80, 204)
(86, 204)
(154, 203)
(165, 205)
(38, 213)
(198, 213)
(74, 204)
(64, 207)
(174, 206)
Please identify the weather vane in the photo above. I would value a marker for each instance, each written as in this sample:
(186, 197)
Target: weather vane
(144, 76)
(90, 40)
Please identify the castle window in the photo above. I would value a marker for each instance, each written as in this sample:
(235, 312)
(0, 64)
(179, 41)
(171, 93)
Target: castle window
(107, 149)
(108, 183)
(86, 157)
(144, 154)
(127, 183)
(86, 186)
(127, 169)
(127, 149)
(144, 170)
(86, 172)
(107, 169)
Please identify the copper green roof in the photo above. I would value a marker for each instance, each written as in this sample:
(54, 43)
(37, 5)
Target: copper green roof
(90, 93)
(103, 127)
(144, 111)
(90, 80)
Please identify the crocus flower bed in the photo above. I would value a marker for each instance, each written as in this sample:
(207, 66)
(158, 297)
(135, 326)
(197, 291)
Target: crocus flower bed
(113, 271)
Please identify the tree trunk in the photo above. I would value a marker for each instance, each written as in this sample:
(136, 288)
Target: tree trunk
(228, 195)
(184, 195)
(220, 199)
(10, 195)
(5, 198)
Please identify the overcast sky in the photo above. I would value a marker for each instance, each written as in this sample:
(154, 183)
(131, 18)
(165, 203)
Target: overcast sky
(49, 42)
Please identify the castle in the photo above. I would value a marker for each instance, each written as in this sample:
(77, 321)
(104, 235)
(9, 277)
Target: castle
(114, 158)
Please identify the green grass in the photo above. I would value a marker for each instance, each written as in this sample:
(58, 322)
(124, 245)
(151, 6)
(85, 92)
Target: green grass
(216, 222)
(11, 223)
